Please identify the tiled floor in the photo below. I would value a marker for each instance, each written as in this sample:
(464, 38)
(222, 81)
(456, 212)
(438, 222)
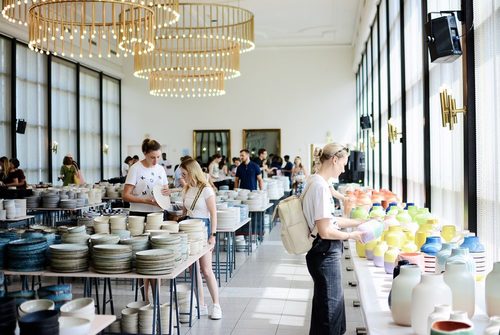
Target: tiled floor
(270, 293)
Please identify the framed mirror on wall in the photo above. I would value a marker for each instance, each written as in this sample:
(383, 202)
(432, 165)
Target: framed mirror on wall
(208, 142)
(269, 139)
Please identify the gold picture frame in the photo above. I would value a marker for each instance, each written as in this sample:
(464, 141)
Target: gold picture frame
(208, 142)
(269, 139)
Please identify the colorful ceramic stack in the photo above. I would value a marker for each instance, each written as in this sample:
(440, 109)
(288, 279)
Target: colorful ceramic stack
(477, 251)
(430, 249)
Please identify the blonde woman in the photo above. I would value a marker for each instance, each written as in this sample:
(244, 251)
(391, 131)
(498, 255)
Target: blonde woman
(299, 175)
(199, 203)
(323, 260)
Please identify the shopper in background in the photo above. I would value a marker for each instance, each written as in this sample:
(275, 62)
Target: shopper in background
(287, 169)
(213, 167)
(142, 177)
(79, 179)
(236, 162)
(166, 164)
(299, 175)
(126, 165)
(199, 203)
(323, 260)
(16, 176)
(4, 169)
(135, 159)
(223, 170)
(68, 171)
(248, 173)
(178, 180)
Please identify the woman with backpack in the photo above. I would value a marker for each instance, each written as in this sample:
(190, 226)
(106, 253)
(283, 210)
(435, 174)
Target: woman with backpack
(323, 259)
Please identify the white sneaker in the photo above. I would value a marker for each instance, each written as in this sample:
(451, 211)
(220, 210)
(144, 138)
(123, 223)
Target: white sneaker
(216, 312)
(203, 310)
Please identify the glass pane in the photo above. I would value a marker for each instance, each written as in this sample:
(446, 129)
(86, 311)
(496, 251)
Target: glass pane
(111, 127)
(5, 77)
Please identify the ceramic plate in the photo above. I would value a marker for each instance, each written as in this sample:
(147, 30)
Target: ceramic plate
(162, 200)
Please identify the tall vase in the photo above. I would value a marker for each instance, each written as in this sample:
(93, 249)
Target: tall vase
(461, 255)
(390, 257)
(402, 286)
(462, 286)
(431, 291)
(378, 254)
(443, 255)
(492, 290)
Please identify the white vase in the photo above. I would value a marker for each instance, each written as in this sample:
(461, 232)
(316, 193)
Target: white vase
(492, 290)
(493, 327)
(441, 313)
(430, 292)
(460, 316)
(462, 286)
(402, 286)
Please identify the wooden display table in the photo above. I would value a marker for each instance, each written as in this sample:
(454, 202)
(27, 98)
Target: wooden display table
(17, 222)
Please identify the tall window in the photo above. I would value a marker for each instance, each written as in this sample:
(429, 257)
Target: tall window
(376, 108)
(395, 84)
(487, 73)
(5, 77)
(414, 97)
(111, 127)
(31, 105)
(447, 149)
(64, 124)
(90, 125)
(384, 143)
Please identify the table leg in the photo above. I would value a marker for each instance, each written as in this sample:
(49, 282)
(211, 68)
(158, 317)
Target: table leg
(170, 307)
(176, 308)
(217, 257)
(96, 285)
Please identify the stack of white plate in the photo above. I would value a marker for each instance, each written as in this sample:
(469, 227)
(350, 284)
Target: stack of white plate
(136, 225)
(240, 243)
(101, 225)
(69, 257)
(285, 182)
(184, 299)
(112, 258)
(197, 235)
(81, 308)
(67, 203)
(50, 200)
(170, 226)
(155, 261)
(138, 243)
(101, 238)
(114, 327)
(170, 242)
(154, 221)
(221, 205)
(10, 207)
(33, 201)
(20, 207)
(243, 211)
(243, 192)
(228, 218)
(130, 321)
(146, 320)
(183, 244)
(157, 232)
(272, 189)
(79, 237)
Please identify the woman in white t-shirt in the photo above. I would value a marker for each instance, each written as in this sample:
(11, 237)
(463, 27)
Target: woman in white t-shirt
(323, 260)
(142, 177)
(199, 203)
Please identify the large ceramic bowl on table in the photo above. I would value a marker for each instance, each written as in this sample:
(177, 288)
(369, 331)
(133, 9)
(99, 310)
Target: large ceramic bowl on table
(35, 306)
(81, 308)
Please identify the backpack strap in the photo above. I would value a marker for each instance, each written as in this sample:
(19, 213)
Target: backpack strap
(196, 198)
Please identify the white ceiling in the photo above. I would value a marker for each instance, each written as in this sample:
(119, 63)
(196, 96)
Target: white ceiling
(303, 22)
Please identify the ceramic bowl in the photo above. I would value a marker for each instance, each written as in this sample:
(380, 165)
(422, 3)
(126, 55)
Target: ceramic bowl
(35, 306)
(134, 307)
(83, 307)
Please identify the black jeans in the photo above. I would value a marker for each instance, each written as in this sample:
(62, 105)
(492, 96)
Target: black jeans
(328, 309)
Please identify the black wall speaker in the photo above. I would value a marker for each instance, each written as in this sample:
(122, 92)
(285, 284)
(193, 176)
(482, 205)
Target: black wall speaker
(364, 122)
(21, 126)
(355, 168)
(443, 38)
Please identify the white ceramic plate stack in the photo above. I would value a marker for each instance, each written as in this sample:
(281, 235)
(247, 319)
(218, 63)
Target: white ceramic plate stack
(184, 299)
(80, 308)
(112, 258)
(154, 221)
(136, 225)
(228, 218)
(221, 205)
(240, 243)
(170, 226)
(31, 306)
(101, 225)
(183, 245)
(138, 243)
(69, 258)
(114, 327)
(33, 201)
(146, 320)
(69, 325)
(101, 238)
(155, 262)
(243, 192)
(67, 203)
(50, 200)
(157, 232)
(88, 222)
(197, 236)
(130, 321)
(20, 207)
(10, 208)
(170, 242)
(272, 189)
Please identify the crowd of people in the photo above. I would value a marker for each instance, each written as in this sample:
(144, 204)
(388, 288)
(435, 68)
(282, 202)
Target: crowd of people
(10, 173)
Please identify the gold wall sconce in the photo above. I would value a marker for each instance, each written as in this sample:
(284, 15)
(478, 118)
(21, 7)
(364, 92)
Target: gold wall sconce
(449, 109)
(54, 147)
(373, 141)
(105, 149)
(393, 133)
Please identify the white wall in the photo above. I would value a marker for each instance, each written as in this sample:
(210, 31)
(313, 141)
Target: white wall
(306, 92)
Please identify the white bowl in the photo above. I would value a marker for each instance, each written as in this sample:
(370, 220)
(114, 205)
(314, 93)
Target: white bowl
(35, 305)
(83, 307)
(134, 307)
(74, 326)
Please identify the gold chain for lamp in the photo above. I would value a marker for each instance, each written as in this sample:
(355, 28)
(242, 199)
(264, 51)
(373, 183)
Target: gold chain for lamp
(92, 27)
(189, 85)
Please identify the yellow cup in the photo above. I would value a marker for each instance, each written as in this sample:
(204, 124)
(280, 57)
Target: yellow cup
(448, 232)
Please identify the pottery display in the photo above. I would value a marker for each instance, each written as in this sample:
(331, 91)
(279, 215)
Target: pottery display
(360, 249)
(443, 255)
(409, 246)
(440, 313)
(373, 229)
(416, 258)
(378, 254)
(369, 246)
(431, 246)
(390, 257)
(493, 327)
(430, 292)
(462, 287)
(492, 291)
(401, 293)
(359, 213)
(451, 328)
(448, 232)
(461, 255)
(472, 243)
(395, 236)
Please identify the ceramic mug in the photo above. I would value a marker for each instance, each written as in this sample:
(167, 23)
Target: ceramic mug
(451, 328)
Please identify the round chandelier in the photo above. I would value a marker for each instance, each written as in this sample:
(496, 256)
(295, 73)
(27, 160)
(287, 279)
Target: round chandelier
(16, 11)
(189, 85)
(94, 27)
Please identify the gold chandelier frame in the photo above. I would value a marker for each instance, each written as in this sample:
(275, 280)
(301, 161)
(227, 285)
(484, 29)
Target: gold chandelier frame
(96, 27)
(16, 11)
(189, 85)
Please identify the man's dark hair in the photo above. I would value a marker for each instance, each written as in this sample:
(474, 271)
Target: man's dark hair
(261, 151)
(286, 157)
(245, 150)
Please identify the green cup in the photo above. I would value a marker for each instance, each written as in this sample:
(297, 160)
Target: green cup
(451, 328)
